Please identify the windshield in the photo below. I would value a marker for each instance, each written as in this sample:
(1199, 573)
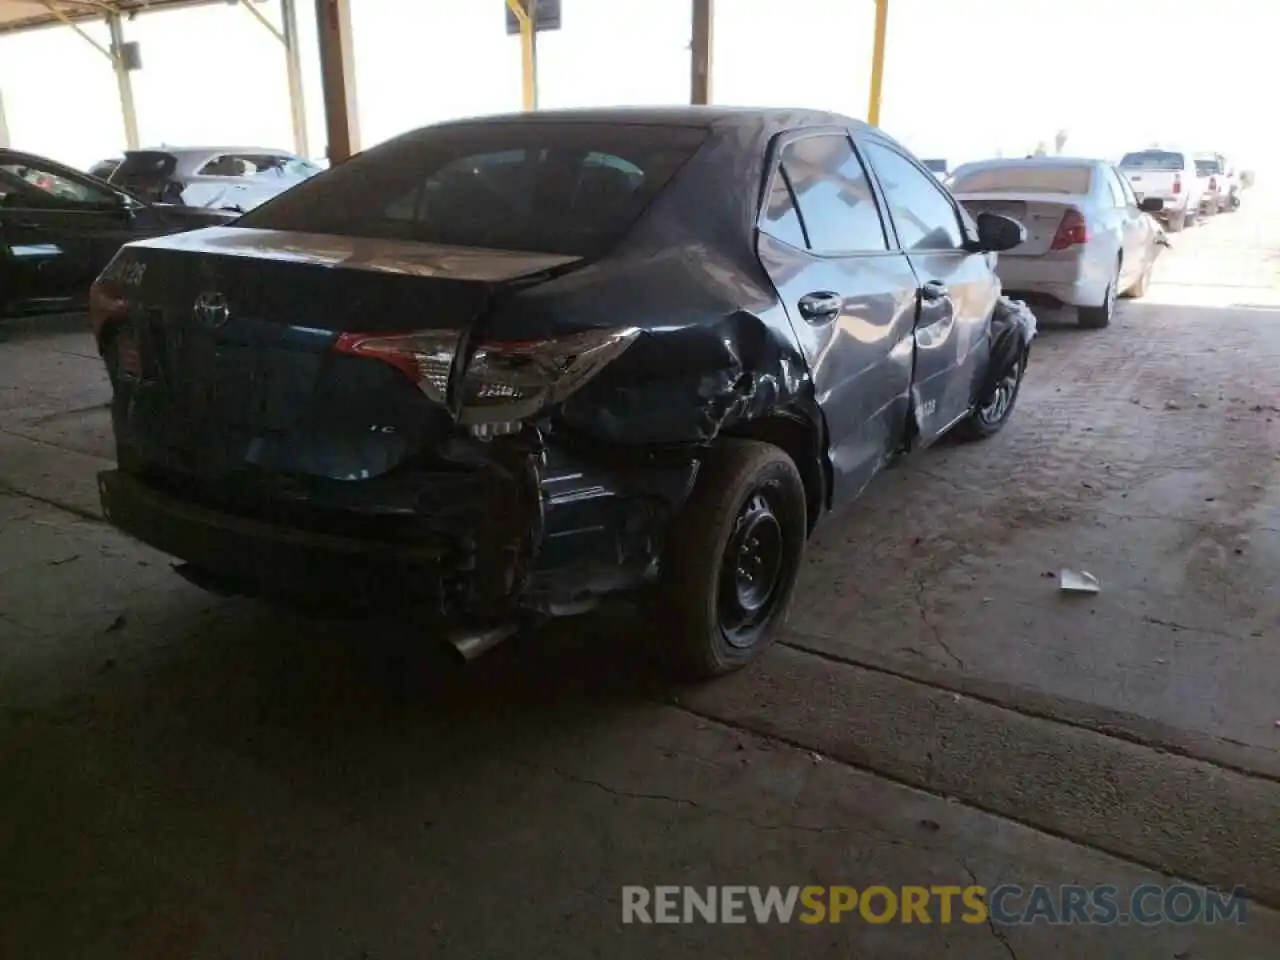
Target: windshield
(569, 188)
(1153, 160)
(1023, 179)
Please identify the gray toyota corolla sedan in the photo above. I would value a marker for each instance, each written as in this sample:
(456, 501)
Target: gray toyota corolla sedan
(498, 370)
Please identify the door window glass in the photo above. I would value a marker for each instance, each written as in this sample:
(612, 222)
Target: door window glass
(52, 184)
(780, 217)
(1113, 189)
(836, 202)
(922, 210)
(1126, 190)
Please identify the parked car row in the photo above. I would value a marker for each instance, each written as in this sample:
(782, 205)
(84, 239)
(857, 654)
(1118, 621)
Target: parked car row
(498, 370)
(231, 178)
(59, 228)
(1089, 237)
(1190, 185)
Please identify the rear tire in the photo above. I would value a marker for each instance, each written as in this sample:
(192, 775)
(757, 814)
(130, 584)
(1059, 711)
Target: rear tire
(1095, 318)
(732, 559)
(1177, 222)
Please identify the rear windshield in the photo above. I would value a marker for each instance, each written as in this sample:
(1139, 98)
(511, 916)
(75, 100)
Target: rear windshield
(569, 188)
(1153, 160)
(1072, 180)
(935, 166)
(1207, 168)
(142, 165)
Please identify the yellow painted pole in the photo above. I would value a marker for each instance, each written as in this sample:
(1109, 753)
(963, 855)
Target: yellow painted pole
(528, 53)
(877, 62)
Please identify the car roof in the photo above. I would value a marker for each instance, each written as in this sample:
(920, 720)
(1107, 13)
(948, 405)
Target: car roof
(686, 116)
(210, 150)
(1036, 162)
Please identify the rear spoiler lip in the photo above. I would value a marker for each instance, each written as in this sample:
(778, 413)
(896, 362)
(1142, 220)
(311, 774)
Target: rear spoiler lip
(396, 257)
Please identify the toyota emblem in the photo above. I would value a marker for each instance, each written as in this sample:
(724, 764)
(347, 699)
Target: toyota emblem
(211, 310)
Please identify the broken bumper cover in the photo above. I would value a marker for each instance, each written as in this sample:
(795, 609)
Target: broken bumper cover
(582, 533)
(257, 555)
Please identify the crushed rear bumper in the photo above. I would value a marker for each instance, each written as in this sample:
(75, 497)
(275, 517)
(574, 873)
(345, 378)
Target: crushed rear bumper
(552, 540)
(253, 555)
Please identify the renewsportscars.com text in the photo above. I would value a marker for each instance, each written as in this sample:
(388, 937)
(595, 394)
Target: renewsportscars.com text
(1006, 904)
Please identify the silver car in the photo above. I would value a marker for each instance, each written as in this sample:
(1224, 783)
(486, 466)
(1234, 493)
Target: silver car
(1089, 239)
(234, 178)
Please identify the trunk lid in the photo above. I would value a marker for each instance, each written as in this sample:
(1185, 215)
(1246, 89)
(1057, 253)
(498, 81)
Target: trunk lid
(1156, 183)
(1041, 214)
(234, 332)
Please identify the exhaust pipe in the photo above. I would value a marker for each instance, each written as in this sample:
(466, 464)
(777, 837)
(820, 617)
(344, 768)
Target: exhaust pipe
(471, 643)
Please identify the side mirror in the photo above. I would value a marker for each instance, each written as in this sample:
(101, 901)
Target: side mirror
(996, 233)
(1151, 205)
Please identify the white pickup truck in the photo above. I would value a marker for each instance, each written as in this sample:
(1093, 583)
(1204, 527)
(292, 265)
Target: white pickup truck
(1171, 176)
(1223, 191)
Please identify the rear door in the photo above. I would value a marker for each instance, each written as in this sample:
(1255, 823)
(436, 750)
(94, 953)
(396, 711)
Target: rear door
(1144, 229)
(958, 289)
(850, 298)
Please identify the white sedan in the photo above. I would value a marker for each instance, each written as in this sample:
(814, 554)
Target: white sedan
(1088, 241)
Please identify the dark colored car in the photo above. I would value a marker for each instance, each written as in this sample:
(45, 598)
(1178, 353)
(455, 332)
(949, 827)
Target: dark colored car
(500, 369)
(59, 228)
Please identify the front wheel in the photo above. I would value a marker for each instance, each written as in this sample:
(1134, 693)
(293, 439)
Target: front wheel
(988, 419)
(732, 559)
(1143, 284)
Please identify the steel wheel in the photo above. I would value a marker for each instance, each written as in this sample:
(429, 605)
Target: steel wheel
(997, 408)
(751, 571)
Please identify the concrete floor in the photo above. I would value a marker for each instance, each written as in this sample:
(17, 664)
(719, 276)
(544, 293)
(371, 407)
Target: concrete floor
(192, 777)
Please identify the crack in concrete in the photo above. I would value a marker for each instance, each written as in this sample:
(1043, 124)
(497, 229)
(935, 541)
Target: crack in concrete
(991, 924)
(1194, 629)
(1171, 518)
(11, 490)
(689, 802)
(933, 628)
(955, 686)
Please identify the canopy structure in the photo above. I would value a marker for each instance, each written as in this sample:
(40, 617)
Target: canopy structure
(333, 21)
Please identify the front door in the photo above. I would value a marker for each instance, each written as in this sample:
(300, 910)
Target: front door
(851, 300)
(59, 229)
(958, 288)
(1140, 234)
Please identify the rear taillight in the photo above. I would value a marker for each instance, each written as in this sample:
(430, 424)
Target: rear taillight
(1177, 183)
(1071, 230)
(107, 304)
(1213, 183)
(505, 382)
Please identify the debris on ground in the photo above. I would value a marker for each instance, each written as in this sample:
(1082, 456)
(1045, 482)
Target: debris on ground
(1172, 405)
(1078, 581)
(59, 561)
(116, 624)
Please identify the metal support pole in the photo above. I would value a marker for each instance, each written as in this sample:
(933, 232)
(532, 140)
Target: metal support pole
(338, 78)
(700, 52)
(526, 13)
(877, 62)
(123, 81)
(293, 64)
